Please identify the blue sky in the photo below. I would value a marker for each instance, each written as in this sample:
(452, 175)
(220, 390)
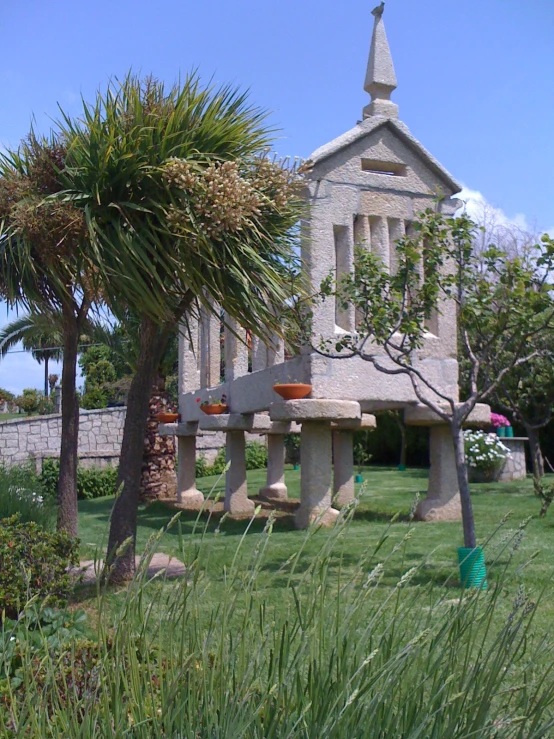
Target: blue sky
(475, 79)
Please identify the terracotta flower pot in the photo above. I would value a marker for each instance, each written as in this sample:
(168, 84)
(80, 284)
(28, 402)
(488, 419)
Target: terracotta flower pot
(167, 417)
(293, 390)
(213, 409)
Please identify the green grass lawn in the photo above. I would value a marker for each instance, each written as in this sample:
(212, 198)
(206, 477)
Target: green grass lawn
(385, 492)
(10, 416)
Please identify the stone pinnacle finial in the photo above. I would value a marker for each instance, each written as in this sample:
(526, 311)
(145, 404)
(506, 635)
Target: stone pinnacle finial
(380, 79)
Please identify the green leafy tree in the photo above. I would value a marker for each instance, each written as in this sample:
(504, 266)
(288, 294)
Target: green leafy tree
(184, 209)
(99, 373)
(502, 305)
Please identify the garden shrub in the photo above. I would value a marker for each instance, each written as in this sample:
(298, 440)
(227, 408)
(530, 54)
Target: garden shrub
(34, 562)
(484, 452)
(92, 482)
(33, 402)
(256, 455)
(256, 459)
(22, 492)
(202, 466)
(292, 448)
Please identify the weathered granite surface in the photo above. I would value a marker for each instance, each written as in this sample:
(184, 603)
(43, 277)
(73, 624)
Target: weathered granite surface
(100, 434)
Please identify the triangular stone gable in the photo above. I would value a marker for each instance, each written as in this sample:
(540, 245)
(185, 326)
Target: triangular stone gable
(363, 156)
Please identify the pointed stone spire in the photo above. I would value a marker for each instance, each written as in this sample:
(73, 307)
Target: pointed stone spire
(380, 79)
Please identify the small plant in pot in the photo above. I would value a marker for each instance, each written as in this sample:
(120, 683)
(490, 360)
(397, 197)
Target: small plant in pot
(292, 389)
(168, 417)
(213, 406)
(485, 456)
(501, 424)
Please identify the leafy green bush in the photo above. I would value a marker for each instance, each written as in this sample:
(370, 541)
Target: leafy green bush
(256, 455)
(202, 466)
(33, 402)
(292, 448)
(94, 398)
(256, 459)
(22, 492)
(34, 562)
(92, 482)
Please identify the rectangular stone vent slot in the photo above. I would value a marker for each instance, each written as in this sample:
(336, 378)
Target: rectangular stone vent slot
(393, 169)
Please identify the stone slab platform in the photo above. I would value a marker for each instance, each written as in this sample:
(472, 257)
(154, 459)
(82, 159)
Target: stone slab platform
(421, 415)
(315, 410)
(173, 568)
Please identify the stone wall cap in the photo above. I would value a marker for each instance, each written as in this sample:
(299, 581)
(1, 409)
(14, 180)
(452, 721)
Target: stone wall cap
(315, 410)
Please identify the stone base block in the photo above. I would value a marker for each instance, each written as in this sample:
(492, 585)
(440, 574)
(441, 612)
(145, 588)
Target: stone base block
(277, 491)
(239, 505)
(430, 509)
(191, 500)
(306, 516)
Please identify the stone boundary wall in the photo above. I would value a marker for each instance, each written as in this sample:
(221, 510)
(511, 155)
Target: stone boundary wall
(39, 437)
(100, 435)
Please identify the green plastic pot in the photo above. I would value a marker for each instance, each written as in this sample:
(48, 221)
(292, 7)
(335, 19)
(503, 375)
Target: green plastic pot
(402, 468)
(473, 573)
(295, 466)
(509, 432)
(501, 431)
(358, 478)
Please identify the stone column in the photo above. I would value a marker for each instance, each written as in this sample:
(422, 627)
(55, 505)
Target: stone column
(397, 231)
(189, 364)
(236, 352)
(315, 475)
(380, 239)
(275, 487)
(187, 494)
(361, 232)
(236, 488)
(443, 498)
(210, 348)
(343, 478)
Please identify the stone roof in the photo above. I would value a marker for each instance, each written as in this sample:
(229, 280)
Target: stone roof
(372, 123)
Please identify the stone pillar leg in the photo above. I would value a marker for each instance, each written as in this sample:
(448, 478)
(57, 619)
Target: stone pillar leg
(236, 489)
(343, 457)
(187, 494)
(275, 489)
(315, 476)
(443, 498)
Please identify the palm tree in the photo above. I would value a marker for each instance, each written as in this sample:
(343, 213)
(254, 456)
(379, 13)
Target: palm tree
(45, 267)
(183, 209)
(39, 335)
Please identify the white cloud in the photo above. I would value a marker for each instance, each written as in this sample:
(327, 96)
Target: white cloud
(480, 209)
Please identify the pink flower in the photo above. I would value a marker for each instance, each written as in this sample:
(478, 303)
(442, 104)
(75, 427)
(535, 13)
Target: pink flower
(499, 420)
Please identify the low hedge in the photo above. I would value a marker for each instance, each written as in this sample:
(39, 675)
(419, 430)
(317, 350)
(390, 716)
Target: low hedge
(92, 482)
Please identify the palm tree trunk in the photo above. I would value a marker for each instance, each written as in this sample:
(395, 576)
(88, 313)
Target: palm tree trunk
(463, 484)
(67, 485)
(123, 525)
(45, 374)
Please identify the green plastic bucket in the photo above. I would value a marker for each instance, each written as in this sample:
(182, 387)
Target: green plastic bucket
(402, 468)
(473, 573)
(358, 478)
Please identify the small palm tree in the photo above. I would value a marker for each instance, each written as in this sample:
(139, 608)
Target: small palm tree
(40, 334)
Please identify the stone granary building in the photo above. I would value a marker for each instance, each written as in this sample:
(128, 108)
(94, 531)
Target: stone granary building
(365, 187)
